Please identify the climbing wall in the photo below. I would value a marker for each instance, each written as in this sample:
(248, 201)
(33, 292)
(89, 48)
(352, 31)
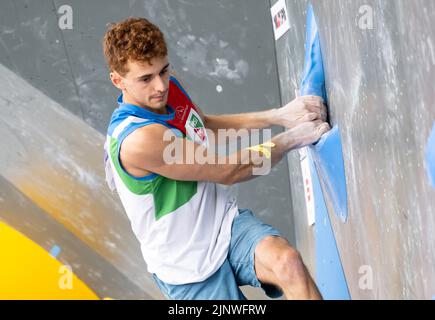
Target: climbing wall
(52, 191)
(379, 65)
(379, 61)
(55, 104)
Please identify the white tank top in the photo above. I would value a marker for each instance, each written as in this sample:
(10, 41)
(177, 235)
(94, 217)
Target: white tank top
(184, 227)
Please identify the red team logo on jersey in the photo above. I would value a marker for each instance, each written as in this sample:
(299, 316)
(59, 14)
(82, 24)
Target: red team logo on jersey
(185, 112)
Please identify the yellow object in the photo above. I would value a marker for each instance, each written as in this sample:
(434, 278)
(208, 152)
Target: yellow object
(263, 148)
(28, 272)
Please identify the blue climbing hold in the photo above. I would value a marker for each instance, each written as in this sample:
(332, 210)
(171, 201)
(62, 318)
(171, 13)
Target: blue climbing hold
(330, 278)
(329, 160)
(55, 250)
(313, 81)
(430, 157)
(329, 154)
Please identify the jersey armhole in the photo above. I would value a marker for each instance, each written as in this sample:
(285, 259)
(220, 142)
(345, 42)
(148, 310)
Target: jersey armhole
(127, 131)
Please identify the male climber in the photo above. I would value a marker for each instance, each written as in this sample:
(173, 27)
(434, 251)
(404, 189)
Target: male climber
(196, 242)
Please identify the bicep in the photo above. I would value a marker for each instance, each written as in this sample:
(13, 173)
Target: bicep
(173, 157)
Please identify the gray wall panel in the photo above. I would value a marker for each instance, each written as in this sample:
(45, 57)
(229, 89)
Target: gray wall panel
(380, 89)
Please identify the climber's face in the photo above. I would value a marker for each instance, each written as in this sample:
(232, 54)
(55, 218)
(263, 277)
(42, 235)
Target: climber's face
(145, 84)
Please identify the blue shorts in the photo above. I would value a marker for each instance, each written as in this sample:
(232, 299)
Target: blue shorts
(237, 270)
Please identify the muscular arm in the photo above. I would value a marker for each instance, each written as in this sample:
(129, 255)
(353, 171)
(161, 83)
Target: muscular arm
(300, 110)
(145, 150)
(249, 120)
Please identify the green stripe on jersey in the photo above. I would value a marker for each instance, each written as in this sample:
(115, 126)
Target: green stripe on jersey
(168, 194)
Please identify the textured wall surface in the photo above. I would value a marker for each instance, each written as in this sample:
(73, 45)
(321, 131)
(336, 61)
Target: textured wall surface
(53, 191)
(55, 91)
(55, 102)
(381, 93)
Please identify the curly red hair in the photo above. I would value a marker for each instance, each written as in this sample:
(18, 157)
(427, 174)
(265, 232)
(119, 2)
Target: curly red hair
(134, 39)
